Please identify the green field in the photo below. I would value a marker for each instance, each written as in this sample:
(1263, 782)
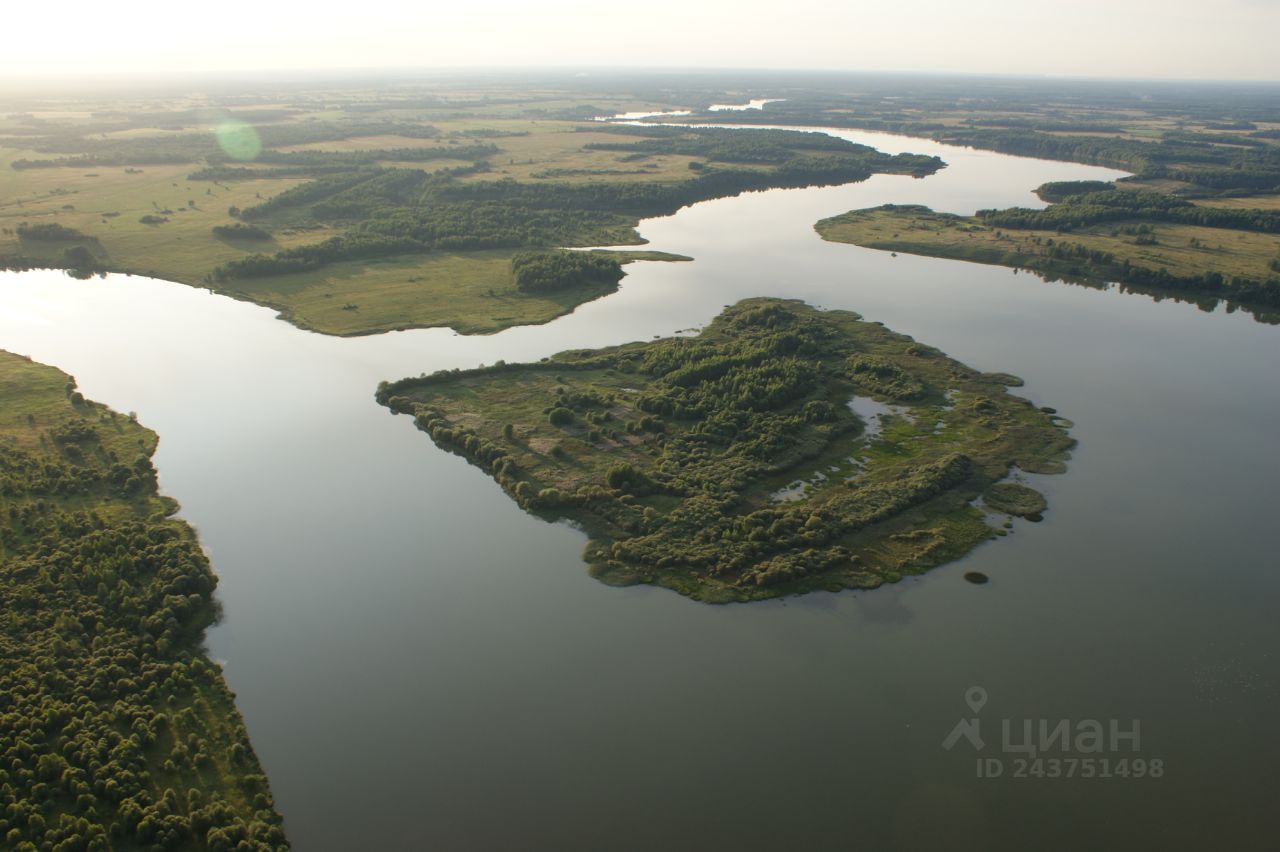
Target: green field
(379, 212)
(731, 466)
(470, 292)
(118, 730)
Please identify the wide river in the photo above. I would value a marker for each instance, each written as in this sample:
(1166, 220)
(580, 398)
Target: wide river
(423, 665)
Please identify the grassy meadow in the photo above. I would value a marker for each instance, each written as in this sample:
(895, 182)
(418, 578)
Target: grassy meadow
(135, 193)
(1180, 252)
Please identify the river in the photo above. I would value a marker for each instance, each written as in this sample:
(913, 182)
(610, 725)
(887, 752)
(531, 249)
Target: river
(423, 665)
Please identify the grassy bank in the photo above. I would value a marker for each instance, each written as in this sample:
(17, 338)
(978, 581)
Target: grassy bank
(1187, 261)
(118, 730)
(376, 213)
(470, 292)
(731, 466)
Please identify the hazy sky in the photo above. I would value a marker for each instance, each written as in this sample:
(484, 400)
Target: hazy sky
(1222, 39)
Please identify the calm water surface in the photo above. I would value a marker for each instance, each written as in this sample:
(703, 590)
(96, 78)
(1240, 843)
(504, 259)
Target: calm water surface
(422, 665)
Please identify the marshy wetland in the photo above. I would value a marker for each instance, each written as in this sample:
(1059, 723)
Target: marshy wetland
(420, 662)
(668, 453)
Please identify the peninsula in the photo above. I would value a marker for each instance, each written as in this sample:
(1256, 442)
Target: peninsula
(1098, 233)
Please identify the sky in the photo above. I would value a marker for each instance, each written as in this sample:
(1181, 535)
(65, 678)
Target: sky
(1176, 39)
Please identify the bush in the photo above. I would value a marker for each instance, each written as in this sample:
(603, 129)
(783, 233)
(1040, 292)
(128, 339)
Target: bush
(241, 231)
(549, 271)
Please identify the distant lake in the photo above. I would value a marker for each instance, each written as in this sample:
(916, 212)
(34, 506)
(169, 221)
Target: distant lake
(424, 666)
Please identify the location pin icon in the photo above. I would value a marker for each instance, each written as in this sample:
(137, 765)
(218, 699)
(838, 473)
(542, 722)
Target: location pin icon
(976, 698)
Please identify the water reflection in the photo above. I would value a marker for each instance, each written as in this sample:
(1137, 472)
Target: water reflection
(423, 665)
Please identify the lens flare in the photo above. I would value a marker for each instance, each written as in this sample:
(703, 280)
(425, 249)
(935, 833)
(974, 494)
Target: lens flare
(238, 140)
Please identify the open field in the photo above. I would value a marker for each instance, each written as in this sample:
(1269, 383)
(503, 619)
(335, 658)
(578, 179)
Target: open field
(470, 292)
(1252, 202)
(377, 212)
(108, 202)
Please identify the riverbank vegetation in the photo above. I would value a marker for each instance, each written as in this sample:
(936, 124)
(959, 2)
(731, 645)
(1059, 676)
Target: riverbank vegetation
(1148, 242)
(372, 213)
(355, 211)
(731, 466)
(1192, 221)
(116, 729)
(1196, 139)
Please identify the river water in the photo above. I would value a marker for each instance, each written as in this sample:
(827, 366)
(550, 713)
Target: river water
(422, 665)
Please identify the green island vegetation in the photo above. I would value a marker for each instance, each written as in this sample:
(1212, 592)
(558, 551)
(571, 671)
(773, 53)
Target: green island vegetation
(352, 212)
(1150, 242)
(732, 466)
(116, 729)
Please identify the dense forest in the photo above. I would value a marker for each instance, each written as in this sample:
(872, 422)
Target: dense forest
(548, 271)
(116, 730)
(666, 451)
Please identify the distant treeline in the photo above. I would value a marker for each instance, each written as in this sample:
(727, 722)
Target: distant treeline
(51, 232)
(191, 147)
(1078, 210)
(772, 147)
(1200, 159)
(396, 211)
(240, 231)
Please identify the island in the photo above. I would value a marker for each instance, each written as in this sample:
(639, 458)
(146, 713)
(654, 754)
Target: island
(116, 728)
(782, 450)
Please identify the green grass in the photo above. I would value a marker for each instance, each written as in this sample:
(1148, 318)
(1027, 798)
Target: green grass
(183, 249)
(471, 292)
(1252, 202)
(673, 454)
(1183, 251)
(539, 142)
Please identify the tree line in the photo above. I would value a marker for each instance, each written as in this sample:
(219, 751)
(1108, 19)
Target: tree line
(1082, 209)
(394, 211)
